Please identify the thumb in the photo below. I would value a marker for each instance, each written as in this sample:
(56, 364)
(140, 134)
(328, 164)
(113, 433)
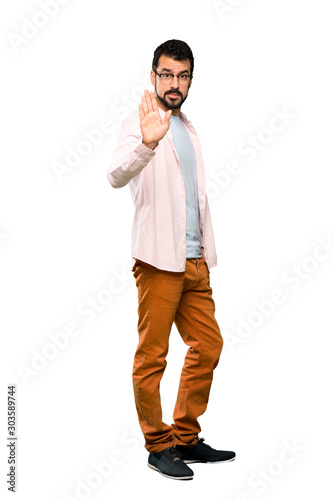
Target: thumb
(167, 116)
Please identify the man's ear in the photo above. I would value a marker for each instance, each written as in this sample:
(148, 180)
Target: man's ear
(152, 77)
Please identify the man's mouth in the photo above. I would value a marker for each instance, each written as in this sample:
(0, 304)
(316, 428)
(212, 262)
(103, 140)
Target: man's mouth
(173, 96)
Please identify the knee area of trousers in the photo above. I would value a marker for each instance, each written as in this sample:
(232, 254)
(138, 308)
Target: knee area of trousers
(149, 362)
(211, 356)
(216, 346)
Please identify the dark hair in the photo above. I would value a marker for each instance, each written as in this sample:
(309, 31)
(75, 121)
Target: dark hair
(176, 49)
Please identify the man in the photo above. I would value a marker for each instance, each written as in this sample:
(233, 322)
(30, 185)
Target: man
(158, 155)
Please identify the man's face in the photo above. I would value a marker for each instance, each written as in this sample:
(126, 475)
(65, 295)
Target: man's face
(171, 93)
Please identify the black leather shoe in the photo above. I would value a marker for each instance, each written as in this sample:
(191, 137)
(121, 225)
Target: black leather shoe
(169, 464)
(203, 453)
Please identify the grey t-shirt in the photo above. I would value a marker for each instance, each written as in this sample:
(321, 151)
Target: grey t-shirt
(188, 166)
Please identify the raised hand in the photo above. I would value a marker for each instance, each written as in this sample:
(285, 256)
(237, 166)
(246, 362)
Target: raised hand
(153, 129)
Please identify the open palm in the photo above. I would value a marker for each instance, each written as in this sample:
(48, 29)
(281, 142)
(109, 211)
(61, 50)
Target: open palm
(153, 129)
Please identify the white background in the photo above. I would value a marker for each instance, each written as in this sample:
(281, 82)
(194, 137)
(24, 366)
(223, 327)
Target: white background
(64, 240)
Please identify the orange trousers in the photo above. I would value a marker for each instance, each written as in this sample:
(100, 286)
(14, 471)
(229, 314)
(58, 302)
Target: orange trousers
(183, 298)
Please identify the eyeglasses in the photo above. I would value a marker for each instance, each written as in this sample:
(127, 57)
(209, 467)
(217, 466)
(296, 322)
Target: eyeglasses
(168, 77)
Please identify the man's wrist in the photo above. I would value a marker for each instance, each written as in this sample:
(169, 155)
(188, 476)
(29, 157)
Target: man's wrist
(150, 145)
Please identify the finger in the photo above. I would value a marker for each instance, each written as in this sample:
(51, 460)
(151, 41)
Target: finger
(153, 101)
(167, 116)
(144, 105)
(149, 103)
(141, 113)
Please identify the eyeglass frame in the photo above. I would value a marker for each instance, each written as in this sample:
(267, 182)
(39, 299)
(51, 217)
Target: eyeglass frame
(177, 76)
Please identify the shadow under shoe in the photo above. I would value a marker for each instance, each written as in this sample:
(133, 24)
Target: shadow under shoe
(168, 463)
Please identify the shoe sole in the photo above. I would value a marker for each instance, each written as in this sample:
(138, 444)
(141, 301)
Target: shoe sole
(182, 478)
(203, 462)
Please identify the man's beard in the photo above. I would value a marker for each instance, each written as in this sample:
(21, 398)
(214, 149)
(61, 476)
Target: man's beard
(172, 103)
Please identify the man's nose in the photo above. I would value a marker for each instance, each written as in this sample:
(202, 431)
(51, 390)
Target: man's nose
(175, 82)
